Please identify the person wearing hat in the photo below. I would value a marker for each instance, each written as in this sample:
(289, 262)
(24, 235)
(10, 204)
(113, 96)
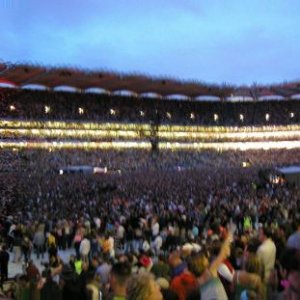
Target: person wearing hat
(145, 263)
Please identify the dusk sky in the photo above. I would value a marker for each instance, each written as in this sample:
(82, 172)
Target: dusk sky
(215, 41)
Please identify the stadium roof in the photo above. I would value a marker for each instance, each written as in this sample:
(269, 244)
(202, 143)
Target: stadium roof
(24, 75)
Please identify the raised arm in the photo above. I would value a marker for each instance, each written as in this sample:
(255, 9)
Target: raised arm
(224, 253)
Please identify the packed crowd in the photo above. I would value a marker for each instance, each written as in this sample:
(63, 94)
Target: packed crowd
(28, 104)
(168, 226)
(47, 161)
(157, 225)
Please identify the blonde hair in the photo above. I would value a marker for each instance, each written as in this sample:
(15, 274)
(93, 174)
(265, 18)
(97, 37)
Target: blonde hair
(198, 264)
(254, 265)
(138, 287)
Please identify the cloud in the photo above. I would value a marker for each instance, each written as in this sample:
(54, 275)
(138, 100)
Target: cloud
(234, 41)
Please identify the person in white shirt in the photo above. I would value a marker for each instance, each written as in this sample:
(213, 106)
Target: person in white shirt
(85, 248)
(97, 222)
(155, 227)
(120, 232)
(266, 252)
(157, 244)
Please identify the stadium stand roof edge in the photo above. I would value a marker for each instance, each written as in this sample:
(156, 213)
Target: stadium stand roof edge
(52, 77)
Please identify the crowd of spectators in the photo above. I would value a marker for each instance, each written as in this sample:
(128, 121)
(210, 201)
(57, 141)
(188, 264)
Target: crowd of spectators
(157, 225)
(29, 104)
(138, 160)
(153, 230)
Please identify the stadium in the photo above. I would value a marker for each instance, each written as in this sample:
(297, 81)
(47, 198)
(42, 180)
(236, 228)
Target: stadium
(118, 182)
(92, 140)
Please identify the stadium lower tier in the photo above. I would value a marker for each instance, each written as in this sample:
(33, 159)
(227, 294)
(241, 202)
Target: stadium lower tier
(86, 135)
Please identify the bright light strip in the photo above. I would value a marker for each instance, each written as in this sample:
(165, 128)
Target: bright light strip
(98, 134)
(242, 146)
(71, 125)
(67, 133)
(132, 126)
(75, 145)
(232, 135)
(173, 128)
(147, 145)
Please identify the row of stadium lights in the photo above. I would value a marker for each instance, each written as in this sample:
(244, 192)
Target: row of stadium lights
(113, 112)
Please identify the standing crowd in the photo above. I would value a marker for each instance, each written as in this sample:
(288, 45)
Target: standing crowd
(148, 234)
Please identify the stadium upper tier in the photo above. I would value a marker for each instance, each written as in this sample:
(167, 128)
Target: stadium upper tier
(27, 76)
(49, 105)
